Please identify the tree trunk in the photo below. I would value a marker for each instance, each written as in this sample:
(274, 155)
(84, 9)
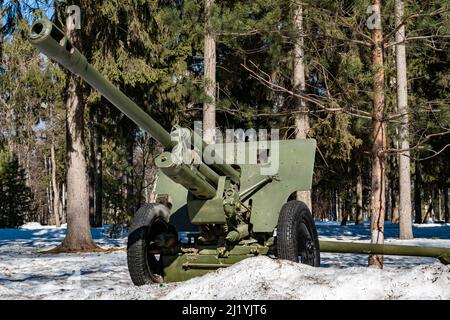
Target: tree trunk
(435, 204)
(61, 207)
(91, 169)
(429, 209)
(146, 153)
(387, 203)
(129, 178)
(78, 230)
(209, 107)
(332, 213)
(347, 206)
(299, 83)
(10, 124)
(29, 128)
(63, 204)
(359, 198)
(1, 31)
(378, 194)
(441, 216)
(48, 192)
(417, 194)
(48, 206)
(446, 208)
(338, 206)
(55, 187)
(394, 203)
(404, 167)
(98, 173)
(395, 171)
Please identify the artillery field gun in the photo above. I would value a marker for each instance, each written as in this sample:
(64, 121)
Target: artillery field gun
(231, 210)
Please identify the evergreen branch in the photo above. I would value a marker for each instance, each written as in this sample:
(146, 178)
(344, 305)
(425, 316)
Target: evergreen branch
(412, 16)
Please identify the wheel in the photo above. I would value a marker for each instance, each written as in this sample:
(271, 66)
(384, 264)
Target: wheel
(143, 252)
(297, 235)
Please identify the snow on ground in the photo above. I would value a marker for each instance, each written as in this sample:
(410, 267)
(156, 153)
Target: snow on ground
(273, 279)
(27, 274)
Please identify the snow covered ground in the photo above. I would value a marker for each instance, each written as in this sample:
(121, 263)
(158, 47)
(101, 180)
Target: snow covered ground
(25, 274)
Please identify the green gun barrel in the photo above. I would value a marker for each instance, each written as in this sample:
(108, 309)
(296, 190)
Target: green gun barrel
(51, 41)
(443, 254)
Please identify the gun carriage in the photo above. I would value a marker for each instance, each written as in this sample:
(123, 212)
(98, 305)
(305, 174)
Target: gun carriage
(229, 210)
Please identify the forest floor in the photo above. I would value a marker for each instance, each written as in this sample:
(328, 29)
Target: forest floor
(26, 274)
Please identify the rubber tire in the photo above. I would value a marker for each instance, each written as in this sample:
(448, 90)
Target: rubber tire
(295, 223)
(148, 218)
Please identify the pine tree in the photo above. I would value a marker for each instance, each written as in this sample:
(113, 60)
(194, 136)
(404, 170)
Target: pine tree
(16, 198)
(78, 235)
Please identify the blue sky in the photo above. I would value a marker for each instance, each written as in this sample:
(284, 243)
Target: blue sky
(28, 7)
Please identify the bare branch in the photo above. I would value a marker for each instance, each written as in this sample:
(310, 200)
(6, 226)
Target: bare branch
(409, 39)
(419, 145)
(435, 153)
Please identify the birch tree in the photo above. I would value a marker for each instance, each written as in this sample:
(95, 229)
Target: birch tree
(405, 210)
(209, 107)
(299, 82)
